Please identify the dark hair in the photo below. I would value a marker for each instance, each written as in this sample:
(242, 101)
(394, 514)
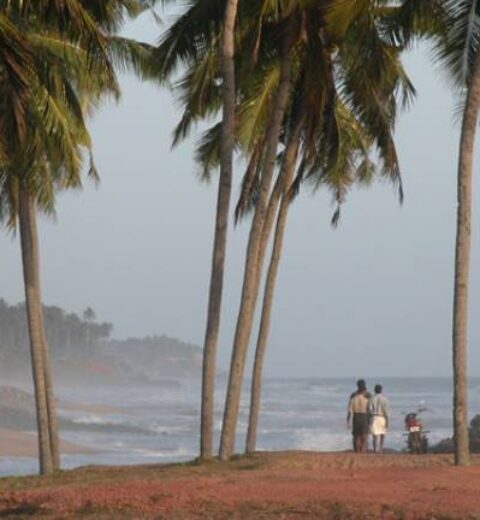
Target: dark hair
(378, 389)
(361, 385)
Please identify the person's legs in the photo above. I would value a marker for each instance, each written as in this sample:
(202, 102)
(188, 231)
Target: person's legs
(360, 432)
(382, 438)
(378, 430)
(355, 432)
(357, 443)
(365, 443)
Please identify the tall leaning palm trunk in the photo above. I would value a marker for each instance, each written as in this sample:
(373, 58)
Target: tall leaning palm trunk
(256, 386)
(269, 222)
(31, 263)
(221, 228)
(462, 266)
(249, 292)
(54, 436)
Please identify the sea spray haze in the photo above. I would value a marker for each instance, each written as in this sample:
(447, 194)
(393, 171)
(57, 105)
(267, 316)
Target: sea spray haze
(145, 425)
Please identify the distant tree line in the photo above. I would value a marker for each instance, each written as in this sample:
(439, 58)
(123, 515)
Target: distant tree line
(156, 357)
(164, 345)
(69, 335)
(74, 337)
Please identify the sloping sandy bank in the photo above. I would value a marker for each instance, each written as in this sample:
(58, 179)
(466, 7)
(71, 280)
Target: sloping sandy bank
(289, 485)
(22, 444)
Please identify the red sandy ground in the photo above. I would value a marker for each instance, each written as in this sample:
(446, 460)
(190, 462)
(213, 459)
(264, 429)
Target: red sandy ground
(288, 485)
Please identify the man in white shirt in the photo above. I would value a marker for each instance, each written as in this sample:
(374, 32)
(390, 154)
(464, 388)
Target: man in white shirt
(380, 418)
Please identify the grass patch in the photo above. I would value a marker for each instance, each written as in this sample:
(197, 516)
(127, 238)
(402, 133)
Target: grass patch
(21, 511)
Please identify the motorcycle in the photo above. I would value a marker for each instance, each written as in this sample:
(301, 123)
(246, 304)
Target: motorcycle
(417, 440)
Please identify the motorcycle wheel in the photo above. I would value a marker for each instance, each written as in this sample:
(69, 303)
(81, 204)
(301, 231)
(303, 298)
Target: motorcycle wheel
(424, 444)
(415, 442)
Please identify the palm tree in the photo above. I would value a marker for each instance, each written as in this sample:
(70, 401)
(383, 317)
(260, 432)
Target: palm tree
(203, 38)
(351, 164)
(29, 180)
(193, 41)
(289, 36)
(15, 63)
(30, 260)
(67, 18)
(28, 171)
(221, 227)
(17, 68)
(289, 162)
(64, 80)
(462, 266)
(369, 92)
(454, 28)
(461, 56)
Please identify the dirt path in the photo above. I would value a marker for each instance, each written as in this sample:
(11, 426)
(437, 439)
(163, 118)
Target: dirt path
(283, 485)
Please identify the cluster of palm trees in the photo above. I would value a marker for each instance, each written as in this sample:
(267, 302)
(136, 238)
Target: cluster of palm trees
(313, 87)
(307, 91)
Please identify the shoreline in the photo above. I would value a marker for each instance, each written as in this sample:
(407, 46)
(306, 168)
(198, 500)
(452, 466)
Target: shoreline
(73, 406)
(15, 443)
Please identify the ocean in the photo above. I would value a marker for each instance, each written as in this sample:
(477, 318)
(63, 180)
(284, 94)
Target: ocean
(160, 423)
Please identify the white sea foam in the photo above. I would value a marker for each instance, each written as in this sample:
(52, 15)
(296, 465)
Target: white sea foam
(171, 430)
(317, 440)
(306, 414)
(96, 419)
(180, 453)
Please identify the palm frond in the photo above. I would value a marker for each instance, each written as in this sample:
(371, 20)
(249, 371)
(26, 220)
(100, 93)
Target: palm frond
(458, 50)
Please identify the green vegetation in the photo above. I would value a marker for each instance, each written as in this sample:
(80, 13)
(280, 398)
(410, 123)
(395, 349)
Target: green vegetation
(81, 345)
(68, 334)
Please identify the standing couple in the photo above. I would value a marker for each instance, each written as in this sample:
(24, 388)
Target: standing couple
(368, 414)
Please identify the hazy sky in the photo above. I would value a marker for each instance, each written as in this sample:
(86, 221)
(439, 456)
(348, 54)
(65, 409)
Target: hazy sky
(370, 298)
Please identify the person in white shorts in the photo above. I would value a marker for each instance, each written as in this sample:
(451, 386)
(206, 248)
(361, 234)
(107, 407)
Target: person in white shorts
(380, 418)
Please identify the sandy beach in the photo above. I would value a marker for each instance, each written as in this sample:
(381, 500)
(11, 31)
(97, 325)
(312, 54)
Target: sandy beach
(286, 485)
(17, 439)
(22, 444)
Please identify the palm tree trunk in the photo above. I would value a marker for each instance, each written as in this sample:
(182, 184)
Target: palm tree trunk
(51, 402)
(31, 275)
(272, 210)
(256, 387)
(249, 295)
(221, 228)
(462, 268)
